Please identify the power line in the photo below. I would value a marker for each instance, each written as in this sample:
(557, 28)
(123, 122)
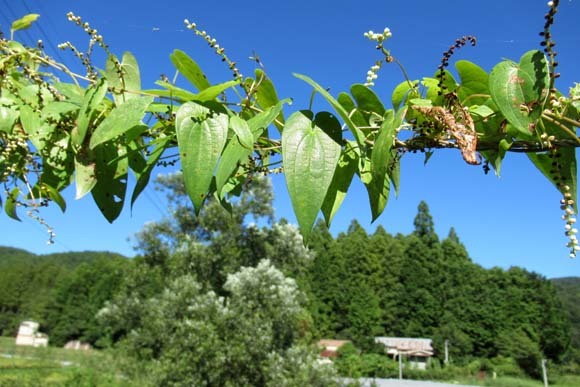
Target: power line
(44, 34)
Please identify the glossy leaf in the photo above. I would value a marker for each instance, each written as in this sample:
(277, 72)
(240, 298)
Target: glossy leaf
(11, 203)
(474, 87)
(345, 100)
(520, 90)
(310, 158)
(358, 135)
(265, 118)
(242, 131)
(38, 130)
(143, 175)
(212, 92)
(381, 164)
(110, 189)
(120, 120)
(366, 100)
(566, 159)
(189, 69)
(266, 94)
(24, 22)
(85, 174)
(172, 92)
(94, 95)
(201, 136)
(7, 119)
(341, 180)
(403, 91)
(381, 155)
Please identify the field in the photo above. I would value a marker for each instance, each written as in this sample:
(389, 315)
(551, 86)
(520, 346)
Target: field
(27, 366)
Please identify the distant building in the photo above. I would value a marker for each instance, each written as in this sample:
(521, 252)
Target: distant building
(330, 347)
(416, 351)
(28, 335)
(78, 345)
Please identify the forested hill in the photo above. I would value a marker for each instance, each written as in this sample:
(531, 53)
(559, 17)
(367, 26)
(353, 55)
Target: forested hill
(11, 256)
(569, 293)
(41, 287)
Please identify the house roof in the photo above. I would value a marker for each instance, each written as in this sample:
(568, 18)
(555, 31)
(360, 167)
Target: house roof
(407, 345)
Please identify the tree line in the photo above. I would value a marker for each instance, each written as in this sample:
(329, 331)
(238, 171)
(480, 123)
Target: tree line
(239, 287)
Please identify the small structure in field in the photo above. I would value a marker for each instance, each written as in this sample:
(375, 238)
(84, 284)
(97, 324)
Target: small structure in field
(330, 347)
(416, 351)
(78, 345)
(28, 335)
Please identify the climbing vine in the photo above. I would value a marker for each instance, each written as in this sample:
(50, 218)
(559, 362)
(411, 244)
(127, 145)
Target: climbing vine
(58, 127)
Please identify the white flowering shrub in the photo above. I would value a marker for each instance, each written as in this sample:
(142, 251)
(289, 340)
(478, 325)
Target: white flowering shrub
(188, 336)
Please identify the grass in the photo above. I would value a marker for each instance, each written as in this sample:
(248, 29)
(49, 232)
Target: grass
(507, 381)
(28, 366)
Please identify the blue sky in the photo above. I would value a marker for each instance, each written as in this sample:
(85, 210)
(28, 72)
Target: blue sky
(513, 220)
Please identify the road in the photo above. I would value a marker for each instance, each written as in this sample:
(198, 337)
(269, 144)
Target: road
(406, 383)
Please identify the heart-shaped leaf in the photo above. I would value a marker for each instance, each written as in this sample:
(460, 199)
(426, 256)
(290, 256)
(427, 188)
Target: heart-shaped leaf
(310, 157)
(120, 120)
(201, 137)
(190, 69)
(520, 90)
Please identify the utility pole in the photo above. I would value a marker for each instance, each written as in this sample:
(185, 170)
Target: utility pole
(446, 352)
(400, 366)
(544, 372)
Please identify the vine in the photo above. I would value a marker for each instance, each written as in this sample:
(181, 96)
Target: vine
(92, 129)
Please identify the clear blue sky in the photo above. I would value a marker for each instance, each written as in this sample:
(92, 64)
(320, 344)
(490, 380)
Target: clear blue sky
(513, 220)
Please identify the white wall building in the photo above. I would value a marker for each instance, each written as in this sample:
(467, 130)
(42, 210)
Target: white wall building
(28, 335)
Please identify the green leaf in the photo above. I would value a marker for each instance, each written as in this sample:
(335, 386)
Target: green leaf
(481, 110)
(243, 133)
(381, 155)
(172, 92)
(24, 22)
(310, 157)
(212, 92)
(190, 69)
(520, 90)
(85, 174)
(341, 180)
(366, 100)
(111, 186)
(357, 133)
(129, 83)
(566, 164)
(7, 119)
(55, 196)
(143, 175)
(402, 91)
(201, 136)
(349, 106)
(36, 128)
(378, 190)
(94, 95)
(266, 94)
(11, 203)
(120, 120)
(265, 118)
(474, 80)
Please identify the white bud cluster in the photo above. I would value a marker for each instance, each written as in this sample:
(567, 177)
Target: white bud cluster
(547, 140)
(212, 42)
(372, 74)
(567, 205)
(378, 37)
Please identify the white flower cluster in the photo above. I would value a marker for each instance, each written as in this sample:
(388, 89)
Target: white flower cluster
(372, 74)
(567, 205)
(378, 37)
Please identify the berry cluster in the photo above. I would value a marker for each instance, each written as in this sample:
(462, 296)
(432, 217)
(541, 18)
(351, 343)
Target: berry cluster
(220, 51)
(448, 54)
